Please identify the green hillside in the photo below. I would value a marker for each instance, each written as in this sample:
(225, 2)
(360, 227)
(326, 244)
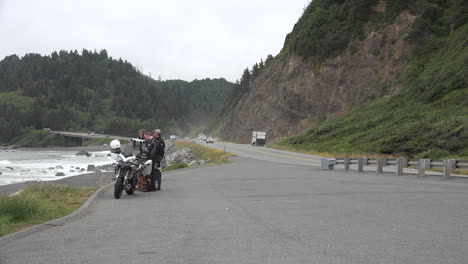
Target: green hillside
(429, 118)
(94, 92)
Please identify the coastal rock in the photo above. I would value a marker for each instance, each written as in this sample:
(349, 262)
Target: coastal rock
(60, 174)
(72, 170)
(83, 153)
(182, 155)
(109, 155)
(108, 167)
(82, 169)
(51, 168)
(77, 168)
(59, 167)
(91, 167)
(0, 173)
(10, 168)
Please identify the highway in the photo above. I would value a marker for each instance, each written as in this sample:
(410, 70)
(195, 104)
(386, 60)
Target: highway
(267, 154)
(265, 208)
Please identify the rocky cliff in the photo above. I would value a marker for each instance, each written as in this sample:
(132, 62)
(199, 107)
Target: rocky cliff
(341, 55)
(293, 92)
(362, 76)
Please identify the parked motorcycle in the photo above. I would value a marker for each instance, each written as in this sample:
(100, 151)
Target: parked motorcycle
(129, 167)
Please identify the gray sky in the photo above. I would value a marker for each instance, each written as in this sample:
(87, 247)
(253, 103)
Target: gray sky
(177, 39)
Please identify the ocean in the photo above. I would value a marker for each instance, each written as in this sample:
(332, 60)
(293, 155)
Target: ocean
(42, 165)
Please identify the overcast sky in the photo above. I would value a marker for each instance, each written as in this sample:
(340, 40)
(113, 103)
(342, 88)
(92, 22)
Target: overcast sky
(177, 39)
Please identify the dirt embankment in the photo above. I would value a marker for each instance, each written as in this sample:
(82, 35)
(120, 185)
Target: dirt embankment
(293, 94)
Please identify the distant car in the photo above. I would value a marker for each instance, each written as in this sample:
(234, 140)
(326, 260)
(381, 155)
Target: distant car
(107, 135)
(204, 138)
(47, 129)
(209, 140)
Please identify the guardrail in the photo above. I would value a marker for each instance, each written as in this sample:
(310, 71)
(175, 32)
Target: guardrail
(422, 164)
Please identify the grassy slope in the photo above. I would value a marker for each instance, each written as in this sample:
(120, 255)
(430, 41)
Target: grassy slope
(428, 119)
(39, 204)
(212, 156)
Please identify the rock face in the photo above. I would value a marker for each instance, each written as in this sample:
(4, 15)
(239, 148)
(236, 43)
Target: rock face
(83, 153)
(292, 94)
(60, 174)
(181, 155)
(91, 168)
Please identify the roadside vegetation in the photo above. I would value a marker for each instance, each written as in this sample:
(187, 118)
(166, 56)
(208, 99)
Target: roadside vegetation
(212, 156)
(208, 155)
(38, 204)
(428, 119)
(176, 166)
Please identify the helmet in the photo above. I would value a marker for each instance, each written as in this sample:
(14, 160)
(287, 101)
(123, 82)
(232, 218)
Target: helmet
(115, 144)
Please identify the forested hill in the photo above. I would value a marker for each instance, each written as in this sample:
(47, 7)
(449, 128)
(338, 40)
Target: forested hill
(359, 76)
(94, 92)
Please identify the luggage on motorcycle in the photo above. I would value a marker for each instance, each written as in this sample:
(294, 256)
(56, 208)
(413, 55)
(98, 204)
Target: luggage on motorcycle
(147, 169)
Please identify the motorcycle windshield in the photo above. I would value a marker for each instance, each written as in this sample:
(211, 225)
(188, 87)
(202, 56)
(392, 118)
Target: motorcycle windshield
(127, 151)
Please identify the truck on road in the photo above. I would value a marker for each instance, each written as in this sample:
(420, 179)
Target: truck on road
(258, 138)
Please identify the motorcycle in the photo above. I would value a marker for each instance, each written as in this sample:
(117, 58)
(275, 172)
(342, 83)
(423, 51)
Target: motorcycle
(129, 167)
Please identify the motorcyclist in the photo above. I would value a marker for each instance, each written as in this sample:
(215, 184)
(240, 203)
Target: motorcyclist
(141, 178)
(155, 151)
(148, 138)
(141, 134)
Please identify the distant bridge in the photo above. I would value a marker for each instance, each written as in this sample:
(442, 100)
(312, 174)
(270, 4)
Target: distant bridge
(85, 136)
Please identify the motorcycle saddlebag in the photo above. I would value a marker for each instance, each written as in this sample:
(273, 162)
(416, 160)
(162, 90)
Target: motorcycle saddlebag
(148, 165)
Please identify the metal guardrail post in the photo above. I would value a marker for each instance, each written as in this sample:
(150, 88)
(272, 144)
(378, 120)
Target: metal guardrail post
(449, 165)
(328, 163)
(346, 164)
(423, 165)
(400, 163)
(381, 162)
(360, 165)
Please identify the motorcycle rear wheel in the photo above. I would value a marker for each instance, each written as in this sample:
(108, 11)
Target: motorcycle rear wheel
(131, 191)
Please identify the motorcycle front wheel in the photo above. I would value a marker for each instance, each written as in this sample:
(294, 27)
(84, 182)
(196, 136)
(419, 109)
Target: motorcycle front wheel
(118, 187)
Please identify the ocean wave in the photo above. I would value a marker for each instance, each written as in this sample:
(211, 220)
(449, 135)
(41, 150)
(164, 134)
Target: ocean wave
(4, 162)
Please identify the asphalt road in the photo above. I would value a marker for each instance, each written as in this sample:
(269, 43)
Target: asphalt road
(264, 211)
(267, 154)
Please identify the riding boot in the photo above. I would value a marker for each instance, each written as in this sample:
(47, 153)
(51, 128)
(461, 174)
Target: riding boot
(158, 179)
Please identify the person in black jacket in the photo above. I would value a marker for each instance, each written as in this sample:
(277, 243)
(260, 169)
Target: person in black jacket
(155, 152)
